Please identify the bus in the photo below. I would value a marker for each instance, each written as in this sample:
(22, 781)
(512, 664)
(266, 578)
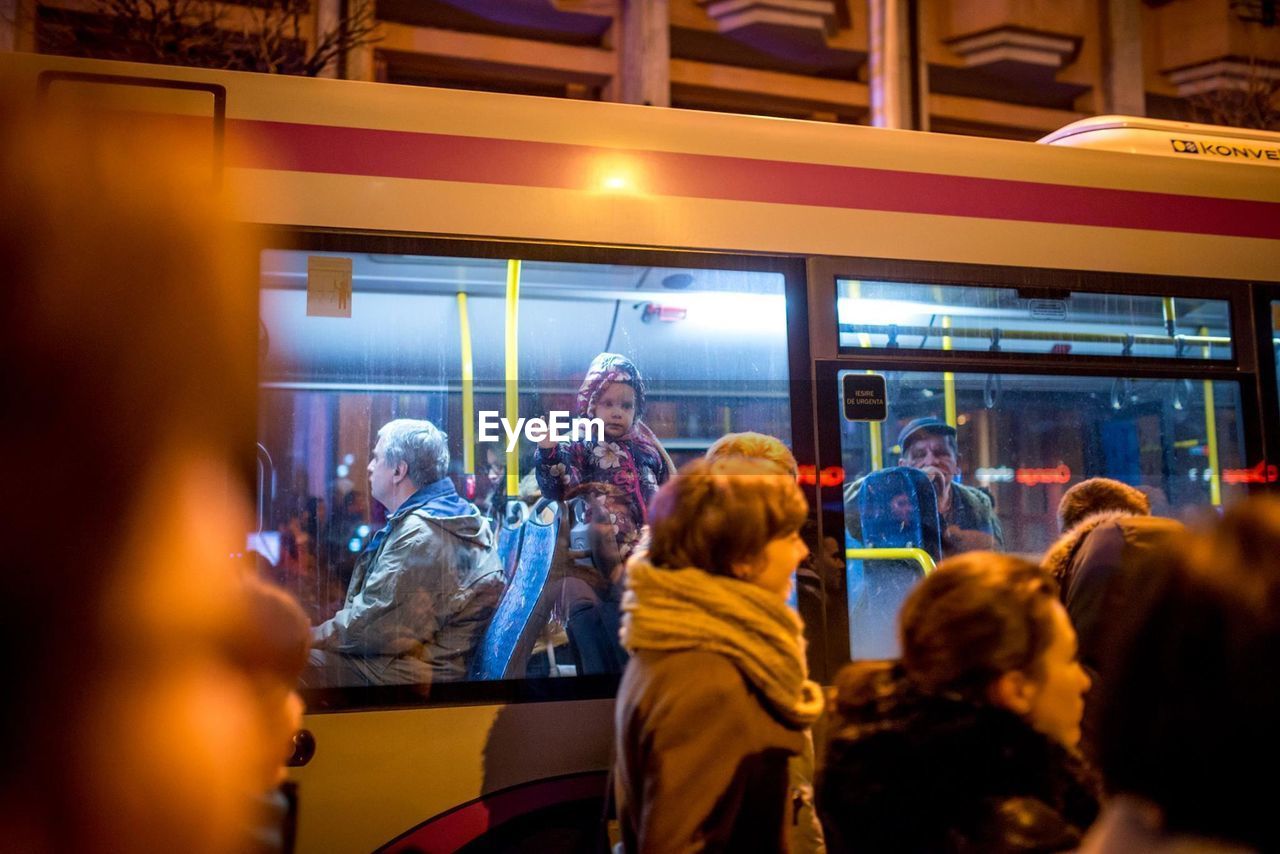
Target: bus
(435, 254)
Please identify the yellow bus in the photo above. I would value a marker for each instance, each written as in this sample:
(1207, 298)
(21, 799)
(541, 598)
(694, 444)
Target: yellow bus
(433, 254)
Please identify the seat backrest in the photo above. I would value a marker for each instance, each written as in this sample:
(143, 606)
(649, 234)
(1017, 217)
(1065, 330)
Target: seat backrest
(510, 531)
(899, 509)
(522, 613)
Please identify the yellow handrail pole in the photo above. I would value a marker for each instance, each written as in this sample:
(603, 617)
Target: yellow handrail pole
(468, 389)
(948, 378)
(1211, 436)
(1170, 315)
(512, 370)
(877, 437)
(877, 445)
(920, 556)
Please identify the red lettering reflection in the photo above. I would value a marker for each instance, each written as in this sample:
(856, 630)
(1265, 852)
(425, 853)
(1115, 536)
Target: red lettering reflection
(1261, 473)
(1031, 477)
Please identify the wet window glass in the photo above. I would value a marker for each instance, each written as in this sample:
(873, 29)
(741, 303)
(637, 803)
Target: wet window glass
(1275, 336)
(424, 553)
(969, 461)
(1010, 320)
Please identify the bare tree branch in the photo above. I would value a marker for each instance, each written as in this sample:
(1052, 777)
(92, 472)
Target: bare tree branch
(266, 35)
(1254, 103)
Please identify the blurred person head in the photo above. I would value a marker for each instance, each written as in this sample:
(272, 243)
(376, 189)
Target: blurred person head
(929, 445)
(132, 723)
(1100, 495)
(989, 628)
(1191, 693)
(409, 455)
(275, 641)
(734, 516)
(755, 445)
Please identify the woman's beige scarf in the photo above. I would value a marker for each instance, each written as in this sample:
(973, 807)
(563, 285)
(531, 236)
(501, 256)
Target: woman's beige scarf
(687, 609)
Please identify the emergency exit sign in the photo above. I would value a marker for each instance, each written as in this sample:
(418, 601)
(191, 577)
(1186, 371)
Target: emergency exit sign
(864, 397)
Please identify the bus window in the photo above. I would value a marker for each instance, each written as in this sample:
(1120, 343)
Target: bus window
(1275, 336)
(710, 344)
(1004, 447)
(1013, 320)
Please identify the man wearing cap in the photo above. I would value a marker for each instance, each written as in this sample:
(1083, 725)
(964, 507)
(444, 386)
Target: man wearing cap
(967, 518)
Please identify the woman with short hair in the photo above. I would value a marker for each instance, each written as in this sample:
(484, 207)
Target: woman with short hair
(715, 698)
(969, 742)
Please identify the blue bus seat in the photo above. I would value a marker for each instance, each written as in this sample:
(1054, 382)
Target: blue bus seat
(897, 508)
(510, 532)
(525, 606)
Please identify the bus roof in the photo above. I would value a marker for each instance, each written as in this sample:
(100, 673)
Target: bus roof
(1173, 139)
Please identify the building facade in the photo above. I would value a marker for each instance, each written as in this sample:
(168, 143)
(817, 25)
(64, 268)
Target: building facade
(1006, 68)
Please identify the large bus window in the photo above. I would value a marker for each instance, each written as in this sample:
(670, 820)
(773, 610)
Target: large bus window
(710, 344)
(1004, 448)
(1012, 320)
(1275, 336)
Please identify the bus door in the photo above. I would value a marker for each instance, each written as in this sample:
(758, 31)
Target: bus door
(1006, 394)
(1266, 328)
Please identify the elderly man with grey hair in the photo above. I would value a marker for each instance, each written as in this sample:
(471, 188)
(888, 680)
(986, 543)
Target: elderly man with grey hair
(424, 588)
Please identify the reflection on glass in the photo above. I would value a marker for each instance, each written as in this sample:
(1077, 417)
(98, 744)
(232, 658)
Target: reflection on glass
(952, 317)
(1018, 442)
(710, 344)
(1275, 336)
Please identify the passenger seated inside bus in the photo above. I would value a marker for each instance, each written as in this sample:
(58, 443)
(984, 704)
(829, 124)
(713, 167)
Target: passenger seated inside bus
(491, 482)
(425, 586)
(968, 518)
(618, 476)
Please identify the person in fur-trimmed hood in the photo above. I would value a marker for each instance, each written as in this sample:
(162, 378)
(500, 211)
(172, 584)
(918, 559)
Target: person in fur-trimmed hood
(1083, 507)
(969, 743)
(1107, 525)
(1108, 531)
(716, 698)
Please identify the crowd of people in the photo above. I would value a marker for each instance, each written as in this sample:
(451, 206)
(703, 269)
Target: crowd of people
(1118, 695)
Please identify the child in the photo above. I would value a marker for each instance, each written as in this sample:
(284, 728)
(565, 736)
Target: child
(622, 472)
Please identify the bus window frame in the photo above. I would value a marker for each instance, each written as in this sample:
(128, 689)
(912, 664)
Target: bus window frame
(825, 274)
(1268, 382)
(1249, 312)
(802, 414)
(831, 513)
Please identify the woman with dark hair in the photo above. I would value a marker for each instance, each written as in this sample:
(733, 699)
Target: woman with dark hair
(1187, 720)
(969, 743)
(715, 698)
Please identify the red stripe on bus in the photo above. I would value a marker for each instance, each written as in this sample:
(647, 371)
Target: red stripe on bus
(467, 823)
(484, 160)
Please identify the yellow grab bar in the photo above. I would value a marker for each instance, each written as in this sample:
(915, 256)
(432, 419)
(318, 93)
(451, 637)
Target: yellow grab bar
(1211, 435)
(513, 373)
(920, 556)
(948, 378)
(468, 389)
